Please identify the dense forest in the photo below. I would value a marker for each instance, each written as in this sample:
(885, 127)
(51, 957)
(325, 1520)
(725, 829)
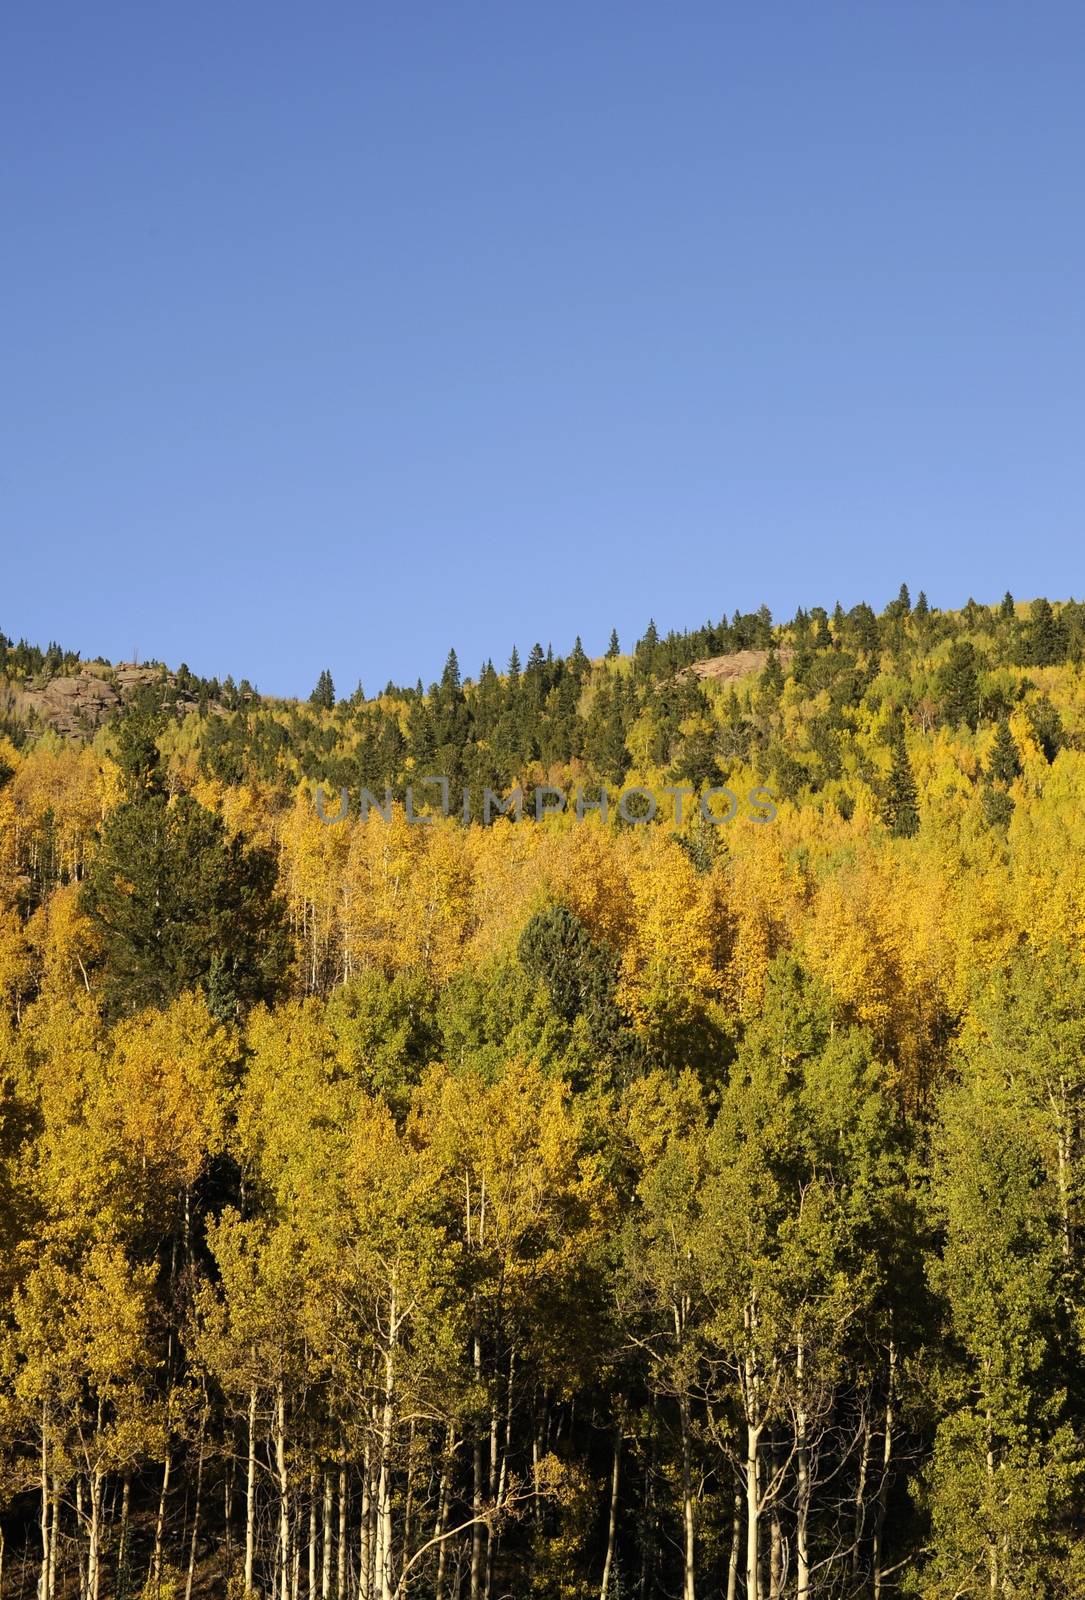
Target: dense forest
(566, 1208)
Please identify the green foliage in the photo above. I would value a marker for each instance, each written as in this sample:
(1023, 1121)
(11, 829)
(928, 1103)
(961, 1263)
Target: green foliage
(1004, 762)
(579, 975)
(1045, 637)
(1046, 726)
(323, 696)
(959, 687)
(178, 903)
(900, 805)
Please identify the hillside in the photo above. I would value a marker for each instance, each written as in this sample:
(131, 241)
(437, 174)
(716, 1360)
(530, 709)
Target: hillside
(482, 1209)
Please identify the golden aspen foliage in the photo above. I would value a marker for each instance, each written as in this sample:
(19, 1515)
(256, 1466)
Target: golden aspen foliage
(64, 943)
(15, 960)
(847, 947)
(167, 1090)
(312, 857)
(763, 896)
(673, 960)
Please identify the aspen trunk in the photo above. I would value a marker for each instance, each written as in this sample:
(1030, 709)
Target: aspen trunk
(160, 1522)
(195, 1513)
(689, 1552)
(384, 1481)
(492, 1492)
(365, 1545)
(250, 1494)
(802, 1490)
(859, 1524)
(408, 1510)
(228, 1511)
(81, 1522)
(326, 1529)
(312, 1533)
(753, 1543)
(776, 1551)
(122, 1547)
(94, 1555)
(476, 1488)
(341, 1548)
(733, 1564)
(284, 1488)
(442, 1520)
(43, 1576)
(54, 1531)
(883, 1486)
(612, 1522)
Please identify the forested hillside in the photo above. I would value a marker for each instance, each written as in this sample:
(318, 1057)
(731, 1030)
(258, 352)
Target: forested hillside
(566, 1208)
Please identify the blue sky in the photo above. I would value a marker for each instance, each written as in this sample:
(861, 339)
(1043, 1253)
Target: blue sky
(336, 335)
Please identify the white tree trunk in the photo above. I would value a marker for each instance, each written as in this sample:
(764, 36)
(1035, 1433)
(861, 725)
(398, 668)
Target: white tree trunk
(250, 1495)
(612, 1523)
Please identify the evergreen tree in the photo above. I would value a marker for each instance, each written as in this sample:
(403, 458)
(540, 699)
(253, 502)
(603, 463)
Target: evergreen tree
(450, 677)
(1007, 610)
(1004, 762)
(613, 648)
(1045, 639)
(578, 661)
(772, 677)
(178, 903)
(900, 808)
(323, 696)
(998, 806)
(1046, 726)
(959, 687)
(862, 629)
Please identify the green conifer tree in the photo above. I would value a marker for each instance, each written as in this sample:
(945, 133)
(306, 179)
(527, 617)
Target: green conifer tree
(323, 696)
(772, 677)
(1045, 642)
(1004, 762)
(900, 809)
(959, 687)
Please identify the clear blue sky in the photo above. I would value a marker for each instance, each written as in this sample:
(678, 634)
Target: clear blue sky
(335, 335)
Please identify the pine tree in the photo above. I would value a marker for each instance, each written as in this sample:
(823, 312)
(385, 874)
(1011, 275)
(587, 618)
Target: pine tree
(613, 648)
(450, 677)
(1007, 610)
(1045, 640)
(772, 677)
(998, 806)
(1004, 762)
(323, 696)
(959, 686)
(922, 609)
(863, 629)
(900, 809)
(177, 903)
(1046, 726)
